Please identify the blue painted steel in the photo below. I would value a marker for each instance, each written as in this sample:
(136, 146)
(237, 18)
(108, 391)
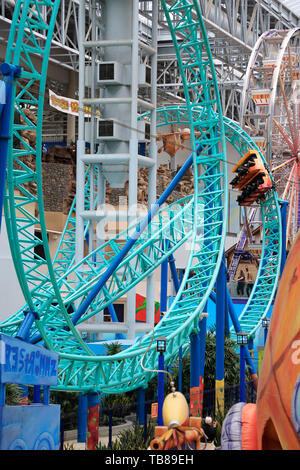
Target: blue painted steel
(163, 285)
(93, 399)
(180, 369)
(160, 390)
(220, 320)
(194, 360)
(9, 73)
(227, 327)
(251, 346)
(174, 274)
(283, 214)
(265, 335)
(82, 417)
(37, 394)
(237, 327)
(242, 375)
(110, 307)
(46, 395)
(23, 363)
(202, 336)
(24, 330)
(176, 284)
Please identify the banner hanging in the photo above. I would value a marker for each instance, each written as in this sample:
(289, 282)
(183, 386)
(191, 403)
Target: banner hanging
(69, 105)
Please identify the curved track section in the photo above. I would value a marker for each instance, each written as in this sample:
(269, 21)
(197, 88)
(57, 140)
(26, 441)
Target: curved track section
(198, 219)
(94, 265)
(78, 368)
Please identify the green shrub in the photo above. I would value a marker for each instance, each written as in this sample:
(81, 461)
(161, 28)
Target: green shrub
(113, 348)
(69, 446)
(131, 439)
(12, 395)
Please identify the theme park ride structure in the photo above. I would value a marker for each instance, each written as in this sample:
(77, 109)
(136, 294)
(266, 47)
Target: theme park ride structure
(199, 218)
(270, 112)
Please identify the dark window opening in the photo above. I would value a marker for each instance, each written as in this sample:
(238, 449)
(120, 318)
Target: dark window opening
(119, 309)
(39, 251)
(106, 128)
(148, 75)
(107, 71)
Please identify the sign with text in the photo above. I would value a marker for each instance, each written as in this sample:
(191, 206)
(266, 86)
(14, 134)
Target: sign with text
(69, 105)
(154, 410)
(24, 363)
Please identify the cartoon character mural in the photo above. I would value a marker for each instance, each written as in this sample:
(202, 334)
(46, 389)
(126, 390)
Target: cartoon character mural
(274, 423)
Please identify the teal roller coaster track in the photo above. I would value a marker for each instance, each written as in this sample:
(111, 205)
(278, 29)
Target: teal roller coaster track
(50, 287)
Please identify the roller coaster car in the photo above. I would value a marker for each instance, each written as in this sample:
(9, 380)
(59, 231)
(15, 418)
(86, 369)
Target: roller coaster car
(252, 178)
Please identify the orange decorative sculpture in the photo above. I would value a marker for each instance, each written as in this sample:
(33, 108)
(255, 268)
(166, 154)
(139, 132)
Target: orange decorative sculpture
(274, 423)
(173, 141)
(179, 431)
(278, 401)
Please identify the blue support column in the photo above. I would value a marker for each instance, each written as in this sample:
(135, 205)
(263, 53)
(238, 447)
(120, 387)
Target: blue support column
(140, 409)
(176, 283)
(283, 214)
(174, 275)
(195, 374)
(242, 374)
(220, 335)
(180, 369)
(24, 330)
(251, 347)
(227, 328)
(161, 383)
(46, 395)
(237, 328)
(82, 417)
(37, 394)
(195, 354)
(265, 335)
(163, 286)
(202, 335)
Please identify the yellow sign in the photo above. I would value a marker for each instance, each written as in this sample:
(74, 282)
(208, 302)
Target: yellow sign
(261, 97)
(68, 105)
(154, 410)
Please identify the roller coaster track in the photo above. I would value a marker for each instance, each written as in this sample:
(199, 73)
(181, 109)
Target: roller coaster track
(198, 219)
